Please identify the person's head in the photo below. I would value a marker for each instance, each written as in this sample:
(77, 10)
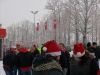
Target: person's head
(79, 50)
(89, 44)
(13, 49)
(94, 44)
(52, 48)
(62, 46)
(23, 50)
(33, 48)
(18, 46)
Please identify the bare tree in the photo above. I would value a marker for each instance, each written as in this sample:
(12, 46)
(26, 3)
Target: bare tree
(83, 11)
(21, 32)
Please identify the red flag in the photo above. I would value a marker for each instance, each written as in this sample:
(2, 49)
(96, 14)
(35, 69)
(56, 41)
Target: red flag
(2, 33)
(45, 25)
(54, 23)
(37, 27)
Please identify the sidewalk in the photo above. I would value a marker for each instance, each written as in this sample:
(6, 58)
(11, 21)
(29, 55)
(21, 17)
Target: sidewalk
(1, 69)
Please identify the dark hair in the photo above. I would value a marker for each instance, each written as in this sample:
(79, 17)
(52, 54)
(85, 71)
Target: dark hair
(62, 44)
(88, 44)
(94, 43)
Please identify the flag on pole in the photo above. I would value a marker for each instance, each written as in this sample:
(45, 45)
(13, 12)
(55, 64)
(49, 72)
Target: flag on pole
(37, 27)
(55, 23)
(45, 25)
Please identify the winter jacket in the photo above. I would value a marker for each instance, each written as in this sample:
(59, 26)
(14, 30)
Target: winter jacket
(97, 52)
(46, 66)
(94, 67)
(9, 60)
(93, 50)
(64, 59)
(24, 59)
(85, 66)
(48, 72)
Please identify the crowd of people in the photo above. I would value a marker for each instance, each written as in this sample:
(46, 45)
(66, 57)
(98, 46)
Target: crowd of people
(52, 58)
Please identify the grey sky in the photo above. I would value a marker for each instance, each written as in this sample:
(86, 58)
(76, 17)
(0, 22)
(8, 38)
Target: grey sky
(13, 11)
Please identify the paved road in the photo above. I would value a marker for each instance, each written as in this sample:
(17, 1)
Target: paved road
(1, 69)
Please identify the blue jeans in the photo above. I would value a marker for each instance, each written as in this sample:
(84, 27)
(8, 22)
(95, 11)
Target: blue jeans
(26, 72)
(65, 71)
(19, 71)
(9, 72)
(15, 70)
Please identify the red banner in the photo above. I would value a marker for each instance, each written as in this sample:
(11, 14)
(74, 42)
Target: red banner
(2, 33)
(45, 25)
(54, 23)
(37, 27)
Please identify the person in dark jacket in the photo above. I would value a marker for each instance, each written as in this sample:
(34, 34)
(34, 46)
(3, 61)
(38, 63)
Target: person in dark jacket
(34, 50)
(93, 47)
(47, 63)
(82, 64)
(97, 52)
(47, 66)
(64, 59)
(24, 60)
(9, 62)
(18, 46)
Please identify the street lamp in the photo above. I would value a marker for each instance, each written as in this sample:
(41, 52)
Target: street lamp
(0, 25)
(34, 13)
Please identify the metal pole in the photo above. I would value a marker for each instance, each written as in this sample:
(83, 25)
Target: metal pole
(34, 19)
(34, 29)
(34, 13)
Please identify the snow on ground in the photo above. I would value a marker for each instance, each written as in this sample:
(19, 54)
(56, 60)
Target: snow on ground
(1, 69)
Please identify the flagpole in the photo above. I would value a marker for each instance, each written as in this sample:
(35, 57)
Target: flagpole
(55, 34)
(55, 24)
(34, 14)
(37, 29)
(46, 30)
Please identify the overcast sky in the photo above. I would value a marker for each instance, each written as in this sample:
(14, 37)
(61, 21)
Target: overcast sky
(14, 11)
